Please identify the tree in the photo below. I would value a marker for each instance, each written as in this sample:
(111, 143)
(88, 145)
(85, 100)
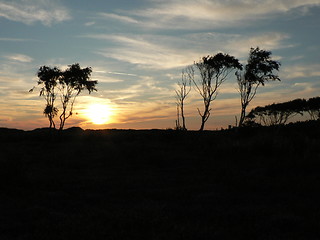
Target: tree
(257, 71)
(68, 84)
(184, 89)
(277, 113)
(213, 72)
(48, 78)
(313, 108)
(73, 81)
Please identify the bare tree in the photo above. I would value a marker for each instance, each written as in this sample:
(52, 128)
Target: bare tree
(258, 70)
(213, 72)
(184, 89)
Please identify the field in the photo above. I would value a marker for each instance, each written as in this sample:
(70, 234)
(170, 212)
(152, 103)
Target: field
(255, 183)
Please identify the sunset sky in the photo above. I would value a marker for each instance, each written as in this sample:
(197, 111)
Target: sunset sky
(137, 50)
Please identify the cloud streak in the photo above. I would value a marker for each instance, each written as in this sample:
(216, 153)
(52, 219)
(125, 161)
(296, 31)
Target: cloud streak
(19, 58)
(164, 52)
(203, 14)
(143, 51)
(301, 71)
(31, 11)
(118, 17)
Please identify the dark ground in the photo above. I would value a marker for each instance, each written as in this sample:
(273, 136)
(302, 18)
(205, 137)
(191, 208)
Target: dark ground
(260, 183)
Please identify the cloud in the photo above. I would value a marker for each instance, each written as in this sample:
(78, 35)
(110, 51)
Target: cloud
(121, 18)
(15, 39)
(30, 11)
(204, 14)
(20, 58)
(301, 71)
(125, 74)
(88, 24)
(143, 51)
(169, 52)
(240, 46)
(145, 111)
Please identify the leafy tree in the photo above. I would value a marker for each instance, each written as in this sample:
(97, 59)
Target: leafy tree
(68, 84)
(184, 89)
(213, 72)
(313, 108)
(259, 69)
(48, 78)
(278, 113)
(74, 79)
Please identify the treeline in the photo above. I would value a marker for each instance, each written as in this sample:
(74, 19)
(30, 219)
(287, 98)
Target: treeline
(280, 113)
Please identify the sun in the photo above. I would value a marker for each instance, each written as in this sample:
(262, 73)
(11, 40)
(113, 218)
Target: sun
(98, 113)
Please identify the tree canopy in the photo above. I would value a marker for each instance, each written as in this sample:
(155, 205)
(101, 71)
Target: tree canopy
(280, 113)
(213, 72)
(259, 69)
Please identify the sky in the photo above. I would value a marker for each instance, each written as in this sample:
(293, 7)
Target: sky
(137, 50)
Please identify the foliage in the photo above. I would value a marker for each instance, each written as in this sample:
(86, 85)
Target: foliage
(213, 72)
(313, 108)
(48, 78)
(278, 113)
(72, 82)
(259, 69)
(68, 84)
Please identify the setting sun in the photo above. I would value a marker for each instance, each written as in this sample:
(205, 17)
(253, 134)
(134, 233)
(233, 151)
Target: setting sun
(98, 113)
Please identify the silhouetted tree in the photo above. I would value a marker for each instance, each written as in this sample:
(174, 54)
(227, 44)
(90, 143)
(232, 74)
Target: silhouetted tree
(48, 79)
(278, 113)
(258, 70)
(74, 79)
(213, 72)
(184, 89)
(70, 83)
(313, 108)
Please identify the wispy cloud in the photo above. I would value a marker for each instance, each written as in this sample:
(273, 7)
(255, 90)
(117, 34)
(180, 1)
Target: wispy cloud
(88, 24)
(19, 58)
(166, 52)
(241, 45)
(15, 40)
(125, 74)
(30, 11)
(202, 14)
(144, 52)
(118, 17)
(301, 71)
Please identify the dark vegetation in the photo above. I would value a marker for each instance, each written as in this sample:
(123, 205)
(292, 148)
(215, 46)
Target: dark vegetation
(244, 183)
(214, 70)
(66, 85)
(280, 113)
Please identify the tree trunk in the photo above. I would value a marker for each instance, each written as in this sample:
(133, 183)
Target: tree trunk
(242, 116)
(243, 113)
(205, 116)
(62, 119)
(202, 124)
(183, 118)
(51, 122)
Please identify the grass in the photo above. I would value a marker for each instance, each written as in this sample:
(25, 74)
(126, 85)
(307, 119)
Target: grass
(159, 184)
